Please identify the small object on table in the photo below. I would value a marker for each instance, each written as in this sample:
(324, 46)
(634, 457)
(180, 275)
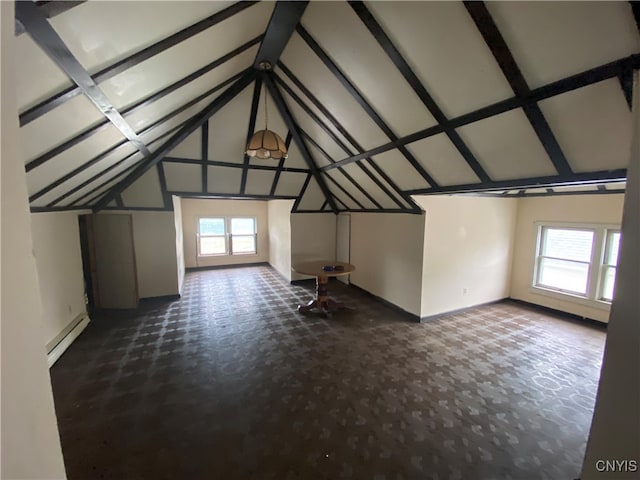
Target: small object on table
(322, 270)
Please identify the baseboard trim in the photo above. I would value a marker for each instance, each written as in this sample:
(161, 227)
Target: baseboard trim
(233, 265)
(174, 296)
(560, 313)
(75, 328)
(411, 316)
(437, 316)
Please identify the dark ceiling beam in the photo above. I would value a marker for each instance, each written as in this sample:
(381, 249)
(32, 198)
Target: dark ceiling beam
(276, 177)
(500, 50)
(414, 82)
(284, 19)
(145, 131)
(132, 60)
(371, 112)
(626, 83)
(359, 187)
(204, 156)
(49, 10)
(216, 163)
(88, 133)
(295, 132)
(106, 170)
(346, 149)
(255, 101)
(166, 197)
(574, 82)
(50, 42)
(296, 203)
(536, 182)
(193, 124)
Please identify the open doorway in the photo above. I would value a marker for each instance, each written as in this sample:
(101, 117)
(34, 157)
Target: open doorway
(87, 247)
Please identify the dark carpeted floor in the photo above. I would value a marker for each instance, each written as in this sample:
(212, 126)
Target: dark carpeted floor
(230, 382)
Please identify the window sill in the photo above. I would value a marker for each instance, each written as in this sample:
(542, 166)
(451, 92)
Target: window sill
(567, 297)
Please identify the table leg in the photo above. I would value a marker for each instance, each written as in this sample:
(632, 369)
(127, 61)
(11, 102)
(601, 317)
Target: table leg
(322, 299)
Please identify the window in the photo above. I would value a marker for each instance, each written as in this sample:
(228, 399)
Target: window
(579, 261)
(227, 236)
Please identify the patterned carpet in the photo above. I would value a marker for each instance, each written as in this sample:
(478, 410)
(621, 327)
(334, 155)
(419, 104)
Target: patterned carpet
(230, 382)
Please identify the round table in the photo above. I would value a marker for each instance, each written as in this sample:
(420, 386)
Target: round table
(318, 269)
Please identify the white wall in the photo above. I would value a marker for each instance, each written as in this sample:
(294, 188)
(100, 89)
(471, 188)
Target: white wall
(56, 246)
(177, 225)
(387, 251)
(193, 208)
(30, 445)
(279, 212)
(604, 209)
(154, 239)
(313, 237)
(467, 251)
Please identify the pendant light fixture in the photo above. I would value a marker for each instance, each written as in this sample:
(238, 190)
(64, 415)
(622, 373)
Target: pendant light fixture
(265, 143)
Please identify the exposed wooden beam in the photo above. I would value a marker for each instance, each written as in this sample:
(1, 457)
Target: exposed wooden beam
(216, 163)
(133, 60)
(579, 80)
(626, 83)
(122, 143)
(166, 196)
(204, 155)
(284, 19)
(50, 42)
(89, 132)
(232, 195)
(295, 132)
(346, 149)
(537, 182)
(276, 177)
(296, 203)
(179, 136)
(414, 82)
(496, 43)
(50, 9)
(255, 101)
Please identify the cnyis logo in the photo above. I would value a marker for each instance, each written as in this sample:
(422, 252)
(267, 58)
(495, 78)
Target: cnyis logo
(617, 466)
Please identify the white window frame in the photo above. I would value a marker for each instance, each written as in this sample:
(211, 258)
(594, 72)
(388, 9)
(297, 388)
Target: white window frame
(597, 267)
(228, 236)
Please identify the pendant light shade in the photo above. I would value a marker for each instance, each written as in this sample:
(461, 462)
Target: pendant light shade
(266, 144)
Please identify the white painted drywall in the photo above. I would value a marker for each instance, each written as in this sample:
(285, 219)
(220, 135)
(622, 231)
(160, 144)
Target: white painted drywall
(387, 251)
(177, 225)
(615, 429)
(468, 247)
(193, 208)
(598, 209)
(30, 446)
(313, 237)
(279, 212)
(56, 246)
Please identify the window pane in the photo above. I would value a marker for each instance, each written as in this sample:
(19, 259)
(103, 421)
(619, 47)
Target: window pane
(563, 275)
(212, 246)
(568, 244)
(612, 249)
(211, 226)
(243, 244)
(243, 226)
(608, 282)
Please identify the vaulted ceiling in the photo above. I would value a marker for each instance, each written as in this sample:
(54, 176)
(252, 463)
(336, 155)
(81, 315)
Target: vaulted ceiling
(124, 104)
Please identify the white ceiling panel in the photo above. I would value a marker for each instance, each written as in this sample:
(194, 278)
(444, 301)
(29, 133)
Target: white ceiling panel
(290, 183)
(224, 179)
(259, 182)
(76, 156)
(593, 126)
(442, 160)
(552, 40)
(305, 65)
(507, 147)
(313, 197)
(191, 147)
(370, 186)
(102, 33)
(295, 158)
(396, 166)
(446, 51)
(60, 125)
(616, 186)
(342, 199)
(339, 31)
(228, 129)
(182, 177)
(347, 185)
(576, 188)
(145, 192)
(317, 156)
(39, 77)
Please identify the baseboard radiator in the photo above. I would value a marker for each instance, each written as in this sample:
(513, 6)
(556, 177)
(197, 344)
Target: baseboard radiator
(57, 346)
